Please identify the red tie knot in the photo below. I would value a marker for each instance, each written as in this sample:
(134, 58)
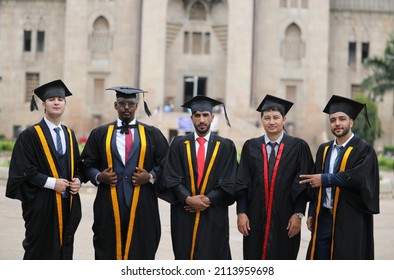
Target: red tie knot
(201, 140)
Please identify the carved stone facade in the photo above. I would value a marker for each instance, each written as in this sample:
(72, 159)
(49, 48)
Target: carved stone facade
(235, 51)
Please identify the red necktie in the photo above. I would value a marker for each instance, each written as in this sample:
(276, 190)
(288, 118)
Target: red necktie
(200, 159)
(129, 143)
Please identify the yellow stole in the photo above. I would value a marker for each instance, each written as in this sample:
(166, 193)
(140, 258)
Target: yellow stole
(114, 196)
(55, 174)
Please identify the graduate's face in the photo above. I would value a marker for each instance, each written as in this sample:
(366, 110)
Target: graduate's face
(202, 122)
(341, 124)
(273, 123)
(126, 108)
(54, 106)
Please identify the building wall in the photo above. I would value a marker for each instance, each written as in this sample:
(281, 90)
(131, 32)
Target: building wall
(295, 49)
(360, 22)
(15, 17)
(292, 55)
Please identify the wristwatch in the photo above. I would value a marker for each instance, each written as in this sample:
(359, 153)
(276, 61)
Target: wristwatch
(299, 215)
(152, 178)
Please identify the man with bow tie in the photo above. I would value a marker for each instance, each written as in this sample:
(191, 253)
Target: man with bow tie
(124, 159)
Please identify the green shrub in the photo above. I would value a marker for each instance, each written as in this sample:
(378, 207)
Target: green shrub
(6, 146)
(388, 149)
(385, 163)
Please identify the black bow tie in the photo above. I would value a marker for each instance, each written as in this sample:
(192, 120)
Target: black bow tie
(124, 128)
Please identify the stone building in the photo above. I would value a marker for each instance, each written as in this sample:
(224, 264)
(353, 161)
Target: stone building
(232, 50)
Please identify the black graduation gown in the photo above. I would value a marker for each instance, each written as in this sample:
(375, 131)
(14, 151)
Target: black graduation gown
(355, 201)
(269, 212)
(146, 232)
(39, 205)
(202, 235)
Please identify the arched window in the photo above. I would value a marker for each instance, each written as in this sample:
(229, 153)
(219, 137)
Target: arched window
(293, 46)
(198, 12)
(100, 38)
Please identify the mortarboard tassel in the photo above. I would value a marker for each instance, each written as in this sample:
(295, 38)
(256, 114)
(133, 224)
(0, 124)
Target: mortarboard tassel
(366, 114)
(33, 104)
(146, 107)
(225, 114)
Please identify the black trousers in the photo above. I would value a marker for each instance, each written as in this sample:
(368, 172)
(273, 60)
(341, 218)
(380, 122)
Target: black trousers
(324, 235)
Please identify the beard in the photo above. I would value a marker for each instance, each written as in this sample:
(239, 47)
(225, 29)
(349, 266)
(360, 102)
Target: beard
(344, 132)
(203, 130)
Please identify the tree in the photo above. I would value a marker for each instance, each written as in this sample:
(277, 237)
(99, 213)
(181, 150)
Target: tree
(382, 78)
(361, 127)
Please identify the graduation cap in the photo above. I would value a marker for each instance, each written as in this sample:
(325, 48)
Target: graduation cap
(203, 103)
(271, 101)
(52, 89)
(129, 92)
(342, 104)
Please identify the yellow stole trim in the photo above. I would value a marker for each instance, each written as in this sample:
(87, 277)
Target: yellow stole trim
(189, 162)
(337, 192)
(114, 196)
(72, 161)
(319, 201)
(204, 185)
(136, 192)
(55, 174)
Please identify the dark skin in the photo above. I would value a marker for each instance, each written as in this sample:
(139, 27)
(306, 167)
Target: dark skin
(202, 125)
(126, 108)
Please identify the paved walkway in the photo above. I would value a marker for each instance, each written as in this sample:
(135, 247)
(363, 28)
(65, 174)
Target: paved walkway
(12, 228)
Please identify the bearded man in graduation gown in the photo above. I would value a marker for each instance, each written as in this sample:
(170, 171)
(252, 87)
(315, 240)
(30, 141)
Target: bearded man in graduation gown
(270, 201)
(44, 177)
(200, 175)
(346, 189)
(124, 159)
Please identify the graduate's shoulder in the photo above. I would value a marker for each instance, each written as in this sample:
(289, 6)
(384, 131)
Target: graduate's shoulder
(224, 142)
(294, 140)
(360, 144)
(325, 144)
(255, 141)
(221, 138)
(103, 128)
(29, 132)
(181, 138)
(149, 127)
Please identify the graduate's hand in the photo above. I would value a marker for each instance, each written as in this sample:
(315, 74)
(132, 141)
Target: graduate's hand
(61, 185)
(206, 200)
(107, 177)
(294, 226)
(195, 203)
(243, 224)
(314, 180)
(140, 176)
(309, 223)
(75, 185)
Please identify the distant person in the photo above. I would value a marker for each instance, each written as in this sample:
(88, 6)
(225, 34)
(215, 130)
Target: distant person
(124, 159)
(200, 173)
(270, 201)
(43, 176)
(346, 189)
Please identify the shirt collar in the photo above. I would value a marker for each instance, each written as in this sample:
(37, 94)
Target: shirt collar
(119, 122)
(267, 140)
(206, 136)
(51, 125)
(344, 144)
